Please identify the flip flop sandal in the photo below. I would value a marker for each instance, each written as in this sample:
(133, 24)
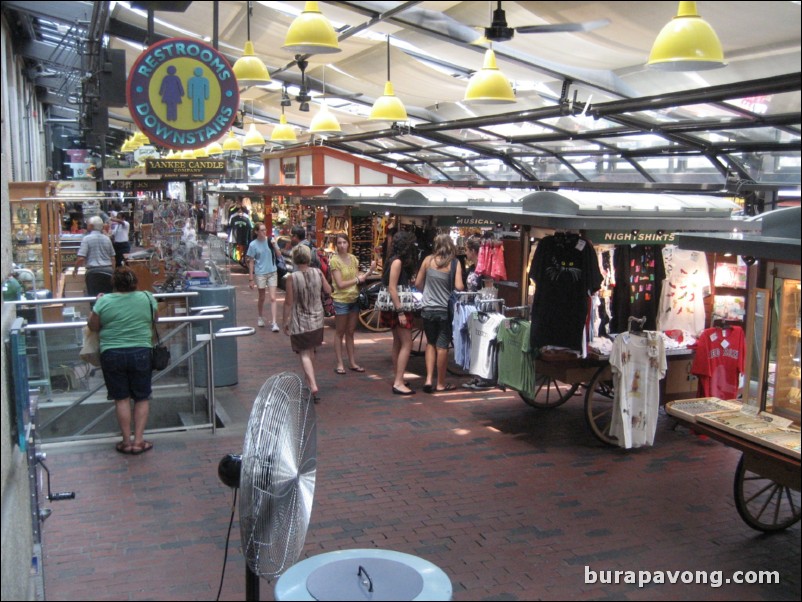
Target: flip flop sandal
(145, 447)
(357, 369)
(340, 371)
(448, 387)
(428, 388)
(123, 448)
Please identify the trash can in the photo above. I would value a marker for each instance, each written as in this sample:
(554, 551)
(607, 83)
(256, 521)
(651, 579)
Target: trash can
(225, 349)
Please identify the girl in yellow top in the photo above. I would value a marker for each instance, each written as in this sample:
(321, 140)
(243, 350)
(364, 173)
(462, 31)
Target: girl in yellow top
(344, 269)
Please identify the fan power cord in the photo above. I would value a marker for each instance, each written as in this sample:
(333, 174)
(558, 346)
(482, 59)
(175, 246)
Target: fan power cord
(228, 537)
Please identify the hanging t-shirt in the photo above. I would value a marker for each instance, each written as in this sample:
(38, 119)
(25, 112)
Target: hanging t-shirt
(241, 228)
(483, 329)
(638, 363)
(687, 282)
(719, 362)
(516, 366)
(639, 274)
(565, 271)
(461, 334)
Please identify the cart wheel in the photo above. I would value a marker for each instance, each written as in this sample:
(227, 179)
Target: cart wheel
(370, 319)
(764, 504)
(549, 393)
(599, 405)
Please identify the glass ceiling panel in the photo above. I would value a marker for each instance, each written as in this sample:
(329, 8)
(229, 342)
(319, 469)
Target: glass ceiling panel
(757, 134)
(567, 146)
(578, 123)
(769, 104)
(689, 112)
(771, 167)
(635, 142)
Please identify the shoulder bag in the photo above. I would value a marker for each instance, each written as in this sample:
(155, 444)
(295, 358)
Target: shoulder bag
(159, 354)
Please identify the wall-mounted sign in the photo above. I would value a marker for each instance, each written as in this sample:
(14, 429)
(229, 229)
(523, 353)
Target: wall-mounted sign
(185, 168)
(182, 93)
(465, 221)
(598, 237)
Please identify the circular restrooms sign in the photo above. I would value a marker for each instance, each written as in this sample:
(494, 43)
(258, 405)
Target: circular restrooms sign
(182, 93)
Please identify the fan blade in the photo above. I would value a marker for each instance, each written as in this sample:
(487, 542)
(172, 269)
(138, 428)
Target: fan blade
(563, 27)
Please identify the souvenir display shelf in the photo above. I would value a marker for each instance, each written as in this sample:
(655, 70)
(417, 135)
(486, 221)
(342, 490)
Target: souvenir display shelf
(35, 233)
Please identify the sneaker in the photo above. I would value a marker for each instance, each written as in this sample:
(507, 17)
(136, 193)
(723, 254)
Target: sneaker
(275, 327)
(260, 322)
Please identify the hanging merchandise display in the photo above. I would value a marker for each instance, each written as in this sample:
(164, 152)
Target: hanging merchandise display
(566, 272)
(638, 362)
(483, 327)
(639, 274)
(686, 285)
(516, 366)
(719, 361)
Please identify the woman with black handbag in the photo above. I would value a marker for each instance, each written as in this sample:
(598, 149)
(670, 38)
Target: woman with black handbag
(124, 319)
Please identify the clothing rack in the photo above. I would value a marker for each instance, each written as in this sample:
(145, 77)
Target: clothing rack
(523, 309)
(482, 303)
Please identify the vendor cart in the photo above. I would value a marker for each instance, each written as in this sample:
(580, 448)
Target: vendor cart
(561, 377)
(766, 487)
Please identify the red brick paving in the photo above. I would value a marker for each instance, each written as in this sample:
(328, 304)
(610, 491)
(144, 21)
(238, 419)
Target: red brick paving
(511, 502)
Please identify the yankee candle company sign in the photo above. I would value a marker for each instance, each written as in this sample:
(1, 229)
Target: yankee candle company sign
(182, 93)
(186, 167)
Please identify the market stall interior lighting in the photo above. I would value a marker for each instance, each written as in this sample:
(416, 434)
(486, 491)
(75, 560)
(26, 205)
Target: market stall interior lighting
(311, 33)
(489, 85)
(388, 107)
(249, 68)
(687, 43)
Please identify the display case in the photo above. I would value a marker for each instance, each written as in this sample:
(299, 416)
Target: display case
(783, 387)
(35, 234)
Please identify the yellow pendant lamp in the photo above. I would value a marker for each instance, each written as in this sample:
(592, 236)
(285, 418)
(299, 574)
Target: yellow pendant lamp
(249, 68)
(324, 121)
(388, 107)
(254, 141)
(283, 132)
(188, 154)
(231, 144)
(214, 149)
(311, 33)
(489, 85)
(686, 43)
(200, 153)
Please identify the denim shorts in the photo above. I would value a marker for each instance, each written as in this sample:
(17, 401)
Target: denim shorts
(437, 327)
(127, 373)
(341, 309)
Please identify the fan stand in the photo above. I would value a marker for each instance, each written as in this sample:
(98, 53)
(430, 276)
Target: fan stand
(251, 584)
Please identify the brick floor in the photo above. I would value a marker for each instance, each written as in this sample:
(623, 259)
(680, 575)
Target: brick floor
(513, 503)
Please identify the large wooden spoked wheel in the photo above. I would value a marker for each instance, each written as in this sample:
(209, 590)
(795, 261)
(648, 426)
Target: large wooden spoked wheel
(599, 405)
(765, 504)
(549, 392)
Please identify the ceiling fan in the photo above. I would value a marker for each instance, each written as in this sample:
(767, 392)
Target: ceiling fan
(499, 31)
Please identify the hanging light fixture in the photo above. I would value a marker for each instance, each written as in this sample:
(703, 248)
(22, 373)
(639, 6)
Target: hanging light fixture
(489, 85)
(283, 132)
(254, 141)
(686, 43)
(324, 121)
(388, 107)
(311, 33)
(214, 149)
(188, 154)
(231, 144)
(200, 153)
(249, 68)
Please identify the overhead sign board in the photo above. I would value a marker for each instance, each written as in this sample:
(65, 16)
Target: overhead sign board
(601, 237)
(182, 93)
(186, 168)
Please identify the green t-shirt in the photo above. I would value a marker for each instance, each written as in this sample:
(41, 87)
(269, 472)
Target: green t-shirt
(125, 320)
(516, 366)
